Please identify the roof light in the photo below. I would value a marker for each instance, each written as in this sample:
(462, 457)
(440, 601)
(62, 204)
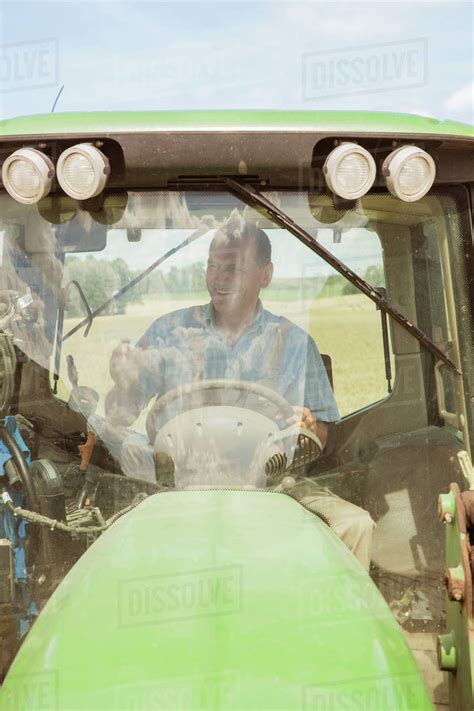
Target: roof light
(410, 172)
(27, 175)
(83, 171)
(349, 171)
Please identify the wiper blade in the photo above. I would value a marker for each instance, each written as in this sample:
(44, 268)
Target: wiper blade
(91, 316)
(253, 198)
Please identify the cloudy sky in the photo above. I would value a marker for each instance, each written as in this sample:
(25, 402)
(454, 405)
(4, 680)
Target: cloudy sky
(411, 56)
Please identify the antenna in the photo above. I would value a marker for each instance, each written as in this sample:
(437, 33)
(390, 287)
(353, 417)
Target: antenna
(57, 98)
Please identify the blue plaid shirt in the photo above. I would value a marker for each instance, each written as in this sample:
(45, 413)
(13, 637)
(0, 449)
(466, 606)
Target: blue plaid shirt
(186, 345)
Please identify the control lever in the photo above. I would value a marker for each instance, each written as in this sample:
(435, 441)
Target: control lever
(85, 450)
(89, 490)
(84, 400)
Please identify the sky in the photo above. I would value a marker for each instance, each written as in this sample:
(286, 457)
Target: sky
(412, 56)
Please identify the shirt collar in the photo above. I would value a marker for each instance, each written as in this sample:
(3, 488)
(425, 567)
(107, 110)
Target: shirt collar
(210, 321)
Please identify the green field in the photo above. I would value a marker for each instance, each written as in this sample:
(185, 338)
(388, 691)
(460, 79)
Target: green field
(345, 327)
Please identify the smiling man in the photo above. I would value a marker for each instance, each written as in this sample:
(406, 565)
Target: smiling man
(234, 338)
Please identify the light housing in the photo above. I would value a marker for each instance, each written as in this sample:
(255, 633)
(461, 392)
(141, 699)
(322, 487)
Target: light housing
(349, 171)
(83, 171)
(409, 172)
(27, 175)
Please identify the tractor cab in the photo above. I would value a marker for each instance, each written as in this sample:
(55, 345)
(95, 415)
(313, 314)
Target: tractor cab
(236, 376)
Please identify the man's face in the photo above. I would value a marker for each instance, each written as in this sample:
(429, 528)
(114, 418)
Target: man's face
(234, 278)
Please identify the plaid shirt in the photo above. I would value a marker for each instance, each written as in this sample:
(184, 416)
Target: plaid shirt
(186, 345)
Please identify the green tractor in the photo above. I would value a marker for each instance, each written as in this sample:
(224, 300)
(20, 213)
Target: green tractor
(237, 411)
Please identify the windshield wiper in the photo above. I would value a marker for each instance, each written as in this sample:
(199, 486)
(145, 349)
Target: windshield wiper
(59, 331)
(255, 199)
(91, 316)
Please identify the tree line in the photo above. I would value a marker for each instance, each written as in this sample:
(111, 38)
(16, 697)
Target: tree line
(100, 279)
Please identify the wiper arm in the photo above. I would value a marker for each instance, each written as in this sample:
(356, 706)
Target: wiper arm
(253, 198)
(90, 317)
(59, 331)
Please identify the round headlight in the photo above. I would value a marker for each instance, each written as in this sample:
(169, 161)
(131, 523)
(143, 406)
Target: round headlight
(349, 171)
(409, 172)
(83, 171)
(27, 175)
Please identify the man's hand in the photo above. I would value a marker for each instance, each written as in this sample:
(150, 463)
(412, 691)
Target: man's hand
(125, 366)
(305, 419)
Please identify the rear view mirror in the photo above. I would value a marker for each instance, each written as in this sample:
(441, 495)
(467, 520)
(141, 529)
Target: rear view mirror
(81, 234)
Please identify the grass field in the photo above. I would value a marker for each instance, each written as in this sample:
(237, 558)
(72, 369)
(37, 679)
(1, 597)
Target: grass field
(345, 327)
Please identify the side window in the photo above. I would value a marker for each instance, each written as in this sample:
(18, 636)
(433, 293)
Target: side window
(344, 323)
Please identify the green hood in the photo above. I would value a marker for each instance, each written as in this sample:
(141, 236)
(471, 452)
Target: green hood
(216, 599)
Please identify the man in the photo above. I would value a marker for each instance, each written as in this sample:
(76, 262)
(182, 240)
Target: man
(235, 338)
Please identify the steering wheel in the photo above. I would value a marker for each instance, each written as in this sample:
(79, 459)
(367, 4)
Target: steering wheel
(282, 406)
(216, 449)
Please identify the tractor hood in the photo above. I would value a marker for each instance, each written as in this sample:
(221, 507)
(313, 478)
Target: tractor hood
(216, 599)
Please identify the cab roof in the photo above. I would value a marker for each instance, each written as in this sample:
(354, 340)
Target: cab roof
(264, 121)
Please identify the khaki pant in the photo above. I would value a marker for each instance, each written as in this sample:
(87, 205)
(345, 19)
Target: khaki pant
(353, 525)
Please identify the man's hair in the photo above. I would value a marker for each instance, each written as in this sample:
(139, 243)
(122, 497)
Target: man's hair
(236, 232)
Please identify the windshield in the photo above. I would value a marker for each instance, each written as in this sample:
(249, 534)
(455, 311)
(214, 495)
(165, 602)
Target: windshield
(221, 294)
